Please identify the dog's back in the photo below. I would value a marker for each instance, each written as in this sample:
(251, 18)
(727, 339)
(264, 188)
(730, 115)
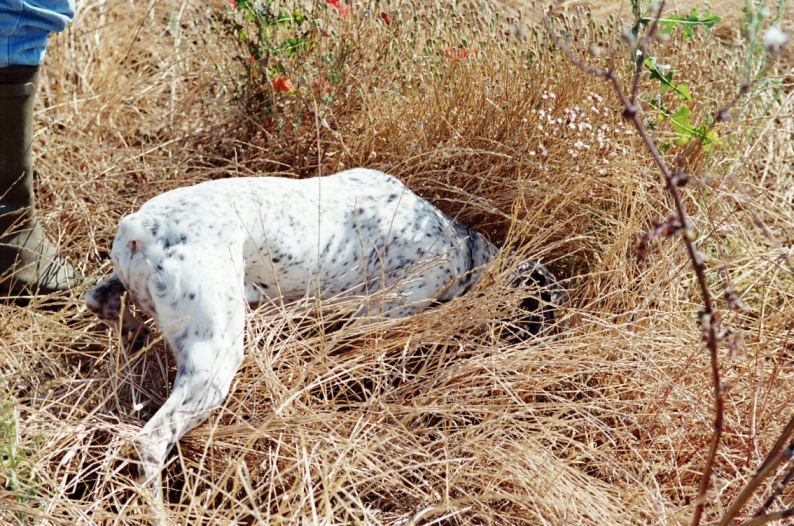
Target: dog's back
(345, 233)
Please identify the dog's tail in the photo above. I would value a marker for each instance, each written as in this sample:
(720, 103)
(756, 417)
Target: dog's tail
(135, 235)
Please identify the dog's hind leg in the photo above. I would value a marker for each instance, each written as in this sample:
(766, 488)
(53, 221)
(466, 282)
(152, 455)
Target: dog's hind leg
(201, 308)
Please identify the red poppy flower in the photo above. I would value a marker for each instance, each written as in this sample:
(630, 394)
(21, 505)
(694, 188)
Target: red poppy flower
(281, 83)
(456, 52)
(344, 11)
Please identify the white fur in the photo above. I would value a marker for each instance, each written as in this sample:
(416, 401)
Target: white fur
(195, 256)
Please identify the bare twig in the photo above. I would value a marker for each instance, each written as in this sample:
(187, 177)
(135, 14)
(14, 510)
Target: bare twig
(774, 516)
(777, 491)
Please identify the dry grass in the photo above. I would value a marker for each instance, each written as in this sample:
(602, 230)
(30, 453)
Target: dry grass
(442, 418)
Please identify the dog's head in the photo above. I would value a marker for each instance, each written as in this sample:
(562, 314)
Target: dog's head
(543, 295)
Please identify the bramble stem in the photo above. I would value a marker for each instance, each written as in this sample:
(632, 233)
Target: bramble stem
(707, 319)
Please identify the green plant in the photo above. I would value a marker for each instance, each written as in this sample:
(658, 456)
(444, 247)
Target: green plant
(15, 474)
(267, 37)
(679, 118)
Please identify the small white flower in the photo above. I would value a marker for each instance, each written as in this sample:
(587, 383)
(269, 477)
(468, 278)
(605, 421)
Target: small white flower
(774, 40)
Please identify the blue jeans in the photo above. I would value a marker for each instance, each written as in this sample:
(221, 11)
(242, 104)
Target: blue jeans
(25, 26)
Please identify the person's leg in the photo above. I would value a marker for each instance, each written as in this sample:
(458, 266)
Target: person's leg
(28, 261)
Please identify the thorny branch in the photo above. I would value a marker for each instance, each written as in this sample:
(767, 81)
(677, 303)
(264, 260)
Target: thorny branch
(709, 319)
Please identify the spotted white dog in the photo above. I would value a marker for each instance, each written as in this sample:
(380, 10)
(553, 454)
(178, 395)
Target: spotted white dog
(194, 257)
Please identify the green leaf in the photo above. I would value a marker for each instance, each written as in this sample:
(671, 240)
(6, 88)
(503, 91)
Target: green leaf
(666, 79)
(680, 121)
(299, 17)
(686, 132)
(708, 137)
(687, 24)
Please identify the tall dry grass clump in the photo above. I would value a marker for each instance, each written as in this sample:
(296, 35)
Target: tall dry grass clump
(447, 417)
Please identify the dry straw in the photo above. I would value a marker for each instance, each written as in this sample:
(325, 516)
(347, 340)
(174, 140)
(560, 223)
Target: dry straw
(447, 417)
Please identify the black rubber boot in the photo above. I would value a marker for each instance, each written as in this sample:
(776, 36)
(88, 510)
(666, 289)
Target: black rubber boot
(28, 261)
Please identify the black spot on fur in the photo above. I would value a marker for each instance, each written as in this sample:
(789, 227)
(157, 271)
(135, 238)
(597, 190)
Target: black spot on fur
(327, 247)
(160, 287)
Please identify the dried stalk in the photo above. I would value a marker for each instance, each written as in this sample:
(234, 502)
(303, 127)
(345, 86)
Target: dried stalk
(774, 458)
